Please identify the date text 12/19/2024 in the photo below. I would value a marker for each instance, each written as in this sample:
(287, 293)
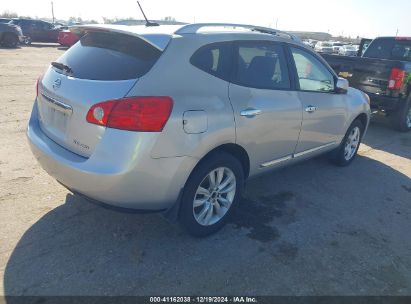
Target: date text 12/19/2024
(203, 300)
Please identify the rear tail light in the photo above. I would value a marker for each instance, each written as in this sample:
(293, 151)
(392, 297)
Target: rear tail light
(38, 84)
(145, 114)
(98, 113)
(396, 80)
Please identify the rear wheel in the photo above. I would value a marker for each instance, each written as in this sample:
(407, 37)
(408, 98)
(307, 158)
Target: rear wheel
(401, 120)
(211, 193)
(10, 40)
(346, 152)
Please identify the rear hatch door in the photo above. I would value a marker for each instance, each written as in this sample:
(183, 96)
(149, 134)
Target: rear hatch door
(103, 65)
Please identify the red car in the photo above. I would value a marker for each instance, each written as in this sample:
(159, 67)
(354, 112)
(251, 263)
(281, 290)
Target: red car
(67, 38)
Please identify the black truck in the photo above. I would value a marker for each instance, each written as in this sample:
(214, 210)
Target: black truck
(384, 73)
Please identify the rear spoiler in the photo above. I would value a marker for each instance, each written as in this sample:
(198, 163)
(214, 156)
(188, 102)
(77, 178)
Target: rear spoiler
(81, 30)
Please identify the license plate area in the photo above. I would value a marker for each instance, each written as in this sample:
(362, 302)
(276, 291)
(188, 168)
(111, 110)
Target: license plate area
(55, 120)
(54, 116)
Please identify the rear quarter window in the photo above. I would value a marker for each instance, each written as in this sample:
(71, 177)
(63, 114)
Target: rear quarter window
(214, 59)
(110, 56)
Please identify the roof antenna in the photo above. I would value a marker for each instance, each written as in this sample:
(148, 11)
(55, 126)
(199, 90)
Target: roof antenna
(148, 23)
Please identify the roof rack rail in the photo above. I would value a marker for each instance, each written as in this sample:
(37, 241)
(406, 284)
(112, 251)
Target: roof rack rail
(194, 27)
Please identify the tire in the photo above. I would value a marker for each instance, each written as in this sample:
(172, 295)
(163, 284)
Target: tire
(343, 156)
(401, 120)
(213, 207)
(10, 40)
(27, 40)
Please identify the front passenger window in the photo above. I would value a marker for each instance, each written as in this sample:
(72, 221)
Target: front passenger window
(312, 74)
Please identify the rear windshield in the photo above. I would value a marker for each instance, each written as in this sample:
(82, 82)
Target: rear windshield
(388, 48)
(110, 56)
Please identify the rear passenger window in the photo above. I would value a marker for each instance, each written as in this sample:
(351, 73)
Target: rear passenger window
(261, 65)
(214, 59)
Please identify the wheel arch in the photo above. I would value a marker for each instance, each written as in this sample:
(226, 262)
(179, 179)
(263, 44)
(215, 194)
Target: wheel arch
(239, 153)
(233, 149)
(363, 118)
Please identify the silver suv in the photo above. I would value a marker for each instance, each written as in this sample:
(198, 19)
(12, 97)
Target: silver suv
(176, 118)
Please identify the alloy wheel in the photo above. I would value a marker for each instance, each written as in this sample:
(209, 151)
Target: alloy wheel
(352, 143)
(214, 196)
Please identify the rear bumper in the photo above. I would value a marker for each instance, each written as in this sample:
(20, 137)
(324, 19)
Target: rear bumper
(114, 175)
(330, 52)
(113, 207)
(385, 103)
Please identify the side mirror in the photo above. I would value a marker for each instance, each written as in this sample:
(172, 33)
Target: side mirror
(341, 86)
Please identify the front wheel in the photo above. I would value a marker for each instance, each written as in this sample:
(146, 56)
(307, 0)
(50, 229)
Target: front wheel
(346, 152)
(211, 193)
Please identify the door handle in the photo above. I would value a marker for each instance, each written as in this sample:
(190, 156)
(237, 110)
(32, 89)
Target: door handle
(250, 112)
(310, 109)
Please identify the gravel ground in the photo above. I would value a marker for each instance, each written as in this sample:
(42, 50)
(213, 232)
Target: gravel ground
(310, 229)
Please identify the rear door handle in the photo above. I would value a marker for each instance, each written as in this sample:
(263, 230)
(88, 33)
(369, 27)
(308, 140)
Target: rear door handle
(250, 112)
(310, 109)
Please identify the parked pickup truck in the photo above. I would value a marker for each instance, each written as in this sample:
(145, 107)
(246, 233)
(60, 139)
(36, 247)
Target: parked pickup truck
(384, 73)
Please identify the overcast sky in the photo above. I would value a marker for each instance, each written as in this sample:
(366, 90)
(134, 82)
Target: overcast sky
(365, 18)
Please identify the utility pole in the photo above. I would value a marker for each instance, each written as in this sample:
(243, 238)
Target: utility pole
(52, 11)
(276, 23)
(396, 34)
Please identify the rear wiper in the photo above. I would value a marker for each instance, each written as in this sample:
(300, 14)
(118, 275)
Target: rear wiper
(63, 67)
